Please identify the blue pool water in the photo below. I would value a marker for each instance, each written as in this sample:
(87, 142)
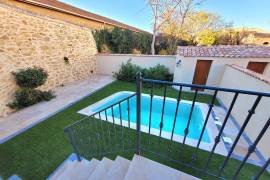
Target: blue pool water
(196, 122)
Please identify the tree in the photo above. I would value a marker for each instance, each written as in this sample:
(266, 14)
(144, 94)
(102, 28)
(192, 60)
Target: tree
(197, 28)
(206, 37)
(200, 24)
(165, 11)
(232, 36)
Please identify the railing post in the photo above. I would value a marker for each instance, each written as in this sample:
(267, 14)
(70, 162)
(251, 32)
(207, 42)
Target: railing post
(138, 109)
(71, 139)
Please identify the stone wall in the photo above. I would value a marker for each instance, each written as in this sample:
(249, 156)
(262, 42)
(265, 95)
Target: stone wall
(28, 40)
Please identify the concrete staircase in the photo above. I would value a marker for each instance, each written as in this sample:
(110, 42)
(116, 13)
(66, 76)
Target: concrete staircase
(139, 168)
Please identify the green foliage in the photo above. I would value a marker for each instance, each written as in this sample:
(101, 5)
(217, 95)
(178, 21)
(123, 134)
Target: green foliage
(206, 38)
(46, 95)
(25, 97)
(159, 72)
(102, 37)
(122, 41)
(49, 136)
(128, 72)
(167, 45)
(30, 77)
(142, 42)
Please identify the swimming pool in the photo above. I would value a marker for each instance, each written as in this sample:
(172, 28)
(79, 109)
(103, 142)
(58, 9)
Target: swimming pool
(196, 122)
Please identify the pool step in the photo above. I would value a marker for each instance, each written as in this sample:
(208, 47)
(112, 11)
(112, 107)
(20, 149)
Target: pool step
(119, 169)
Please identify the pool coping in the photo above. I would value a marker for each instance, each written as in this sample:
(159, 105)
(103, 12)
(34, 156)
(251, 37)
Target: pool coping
(211, 127)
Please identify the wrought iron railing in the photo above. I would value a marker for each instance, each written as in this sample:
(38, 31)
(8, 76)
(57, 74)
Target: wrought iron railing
(115, 130)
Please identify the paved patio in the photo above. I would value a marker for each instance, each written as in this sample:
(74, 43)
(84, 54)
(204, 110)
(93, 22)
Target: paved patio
(231, 131)
(24, 119)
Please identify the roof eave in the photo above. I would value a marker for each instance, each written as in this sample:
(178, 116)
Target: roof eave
(79, 15)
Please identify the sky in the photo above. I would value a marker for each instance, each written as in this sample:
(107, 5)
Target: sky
(243, 13)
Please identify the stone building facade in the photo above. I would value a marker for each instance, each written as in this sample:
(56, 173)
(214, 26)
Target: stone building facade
(28, 39)
(68, 13)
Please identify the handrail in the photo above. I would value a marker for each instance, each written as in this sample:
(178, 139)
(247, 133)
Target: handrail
(114, 104)
(117, 116)
(207, 87)
(91, 115)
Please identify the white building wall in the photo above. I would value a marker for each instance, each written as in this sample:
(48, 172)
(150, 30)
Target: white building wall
(109, 63)
(267, 70)
(236, 79)
(185, 72)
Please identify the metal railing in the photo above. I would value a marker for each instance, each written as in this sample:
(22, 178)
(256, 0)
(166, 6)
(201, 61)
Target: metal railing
(117, 129)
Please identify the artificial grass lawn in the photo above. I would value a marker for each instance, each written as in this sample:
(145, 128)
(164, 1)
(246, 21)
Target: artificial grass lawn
(37, 152)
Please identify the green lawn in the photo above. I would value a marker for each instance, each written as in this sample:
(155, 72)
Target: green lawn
(36, 153)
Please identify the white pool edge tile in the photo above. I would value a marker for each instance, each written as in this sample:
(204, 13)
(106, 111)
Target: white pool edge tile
(211, 127)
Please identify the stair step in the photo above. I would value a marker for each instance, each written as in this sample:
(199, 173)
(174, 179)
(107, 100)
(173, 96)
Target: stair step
(67, 172)
(118, 169)
(60, 170)
(84, 169)
(146, 169)
(101, 169)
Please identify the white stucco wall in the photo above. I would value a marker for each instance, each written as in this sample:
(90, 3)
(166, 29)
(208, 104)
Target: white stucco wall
(109, 63)
(185, 72)
(236, 79)
(266, 71)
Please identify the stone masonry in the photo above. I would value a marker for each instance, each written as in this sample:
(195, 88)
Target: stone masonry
(28, 40)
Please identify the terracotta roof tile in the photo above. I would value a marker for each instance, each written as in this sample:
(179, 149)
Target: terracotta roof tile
(60, 6)
(230, 51)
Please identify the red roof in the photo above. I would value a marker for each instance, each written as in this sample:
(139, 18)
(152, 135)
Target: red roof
(63, 7)
(229, 51)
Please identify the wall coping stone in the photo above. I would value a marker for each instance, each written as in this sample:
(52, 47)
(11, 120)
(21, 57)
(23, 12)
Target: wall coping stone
(136, 55)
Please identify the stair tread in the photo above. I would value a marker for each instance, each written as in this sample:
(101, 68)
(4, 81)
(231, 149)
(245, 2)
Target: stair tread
(118, 169)
(101, 169)
(66, 174)
(84, 169)
(60, 170)
(146, 169)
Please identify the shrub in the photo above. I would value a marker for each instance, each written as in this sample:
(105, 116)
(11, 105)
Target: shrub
(25, 97)
(158, 72)
(30, 77)
(128, 72)
(46, 95)
(163, 52)
(105, 49)
(102, 37)
(122, 41)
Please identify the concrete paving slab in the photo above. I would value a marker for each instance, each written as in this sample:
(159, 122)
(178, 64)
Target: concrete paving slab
(66, 96)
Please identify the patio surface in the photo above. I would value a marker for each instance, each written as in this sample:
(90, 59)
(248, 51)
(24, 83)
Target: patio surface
(231, 130)
(24, 119)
